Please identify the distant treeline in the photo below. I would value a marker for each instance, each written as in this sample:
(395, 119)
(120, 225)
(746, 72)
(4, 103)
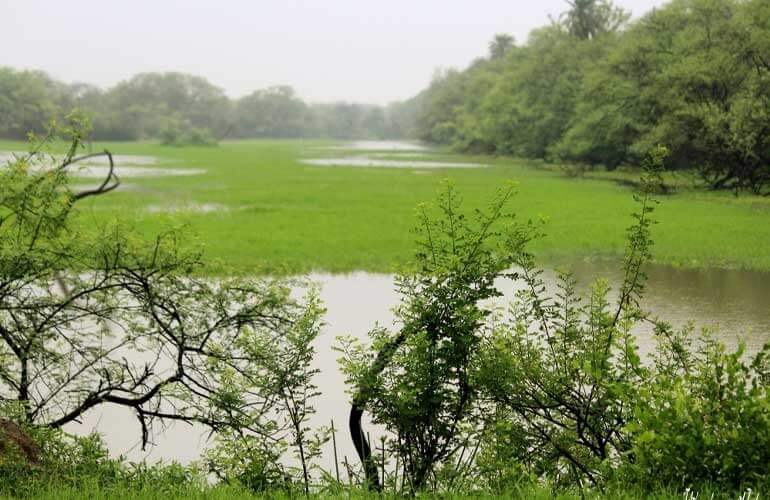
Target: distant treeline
(590, 88)
(175, 106)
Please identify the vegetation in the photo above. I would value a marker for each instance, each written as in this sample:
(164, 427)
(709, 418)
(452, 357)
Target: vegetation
(553, 397)
(183, 109)
(692, 75)
(555, 392)
(548, 395)
(589, 89)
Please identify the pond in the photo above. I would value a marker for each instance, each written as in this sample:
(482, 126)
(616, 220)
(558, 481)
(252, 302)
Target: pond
(736, 304)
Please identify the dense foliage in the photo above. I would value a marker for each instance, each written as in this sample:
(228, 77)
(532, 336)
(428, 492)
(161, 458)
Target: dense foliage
(183, 109)
(693, 75)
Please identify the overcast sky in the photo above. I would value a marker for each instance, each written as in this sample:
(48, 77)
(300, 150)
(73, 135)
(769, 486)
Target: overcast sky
(355, 50)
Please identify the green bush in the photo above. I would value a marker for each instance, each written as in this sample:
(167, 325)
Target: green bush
(708, 423)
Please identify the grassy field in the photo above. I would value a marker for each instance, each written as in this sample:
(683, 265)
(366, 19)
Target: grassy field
(269, 213)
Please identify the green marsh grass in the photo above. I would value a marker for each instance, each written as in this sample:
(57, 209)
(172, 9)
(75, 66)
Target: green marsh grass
(273, 214)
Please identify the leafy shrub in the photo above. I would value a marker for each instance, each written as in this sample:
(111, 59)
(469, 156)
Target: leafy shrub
(247, 462)
(706, 423)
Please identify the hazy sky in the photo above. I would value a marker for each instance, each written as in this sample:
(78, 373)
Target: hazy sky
(355, 50)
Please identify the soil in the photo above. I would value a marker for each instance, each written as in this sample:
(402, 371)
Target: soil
(14, 439)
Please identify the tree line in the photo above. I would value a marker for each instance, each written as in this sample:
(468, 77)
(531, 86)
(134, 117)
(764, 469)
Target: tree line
(592, 88)
(183, 108)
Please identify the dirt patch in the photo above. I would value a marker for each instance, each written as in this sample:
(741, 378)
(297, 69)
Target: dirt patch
(14, 440)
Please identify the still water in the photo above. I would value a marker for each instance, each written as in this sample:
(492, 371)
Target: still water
(735, 304)
(373, 162)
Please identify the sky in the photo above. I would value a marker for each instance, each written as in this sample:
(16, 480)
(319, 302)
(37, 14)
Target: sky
(328, 50)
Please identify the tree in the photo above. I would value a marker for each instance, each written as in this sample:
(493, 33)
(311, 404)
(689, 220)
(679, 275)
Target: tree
(180, 109)
(27, 101)
(691, 76)
(441, 101)
(587, 19)
(272, 112)
(102, 316)
(532, 103)
(563, 376)
(500, 45)
(136, 108)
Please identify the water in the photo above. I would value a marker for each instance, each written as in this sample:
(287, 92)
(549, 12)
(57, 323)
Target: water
(382, 146)
(125, 166)
(367, 162)
(735, 303)
(135, 160)
(188, 208)
(375, 154)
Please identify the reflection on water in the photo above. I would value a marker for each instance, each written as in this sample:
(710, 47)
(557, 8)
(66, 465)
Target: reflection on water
(735, 303)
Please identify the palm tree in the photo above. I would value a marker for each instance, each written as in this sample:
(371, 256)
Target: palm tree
(587, 19)
(500, 45)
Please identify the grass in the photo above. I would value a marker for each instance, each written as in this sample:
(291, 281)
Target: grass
(92, 491)
(281, 216)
